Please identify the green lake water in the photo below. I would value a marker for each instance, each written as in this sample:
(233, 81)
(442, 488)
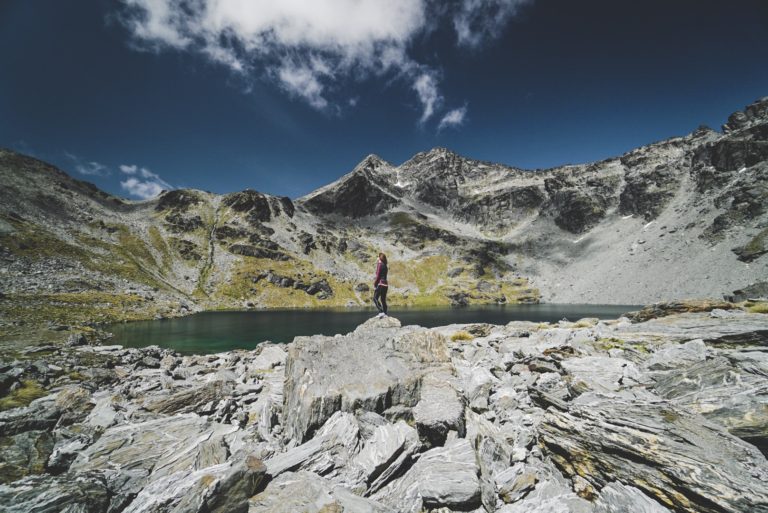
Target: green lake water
(213, 332)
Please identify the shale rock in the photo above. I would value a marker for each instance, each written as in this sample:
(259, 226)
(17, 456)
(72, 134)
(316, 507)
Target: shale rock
(373, 368)
(674, 456)
(442, 477)
(85, 493)
(588, 417)
(223, 488)
(310, 493)
(440, 410)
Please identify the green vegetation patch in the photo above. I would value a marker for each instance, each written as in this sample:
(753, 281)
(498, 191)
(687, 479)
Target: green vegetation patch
(402, 220)
(76, 308)
(22, 396)
(426, 274)
(160, 244)
(461, 335)
(761, 307)
(606, 344)
(131, 258)
(34, 242)
(240, 287)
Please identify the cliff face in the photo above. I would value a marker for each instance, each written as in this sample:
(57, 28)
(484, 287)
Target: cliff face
(684, 217)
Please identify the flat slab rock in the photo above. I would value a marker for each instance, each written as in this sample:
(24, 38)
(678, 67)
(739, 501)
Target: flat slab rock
(373, 368)
(307, 492)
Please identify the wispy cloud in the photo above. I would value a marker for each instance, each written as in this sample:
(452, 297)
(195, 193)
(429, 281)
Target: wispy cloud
(87, 168)
(426, 87)
(453, 118)
(141, 182)
(313, 49)
(128, 170)
(304, 82)
(477, 21)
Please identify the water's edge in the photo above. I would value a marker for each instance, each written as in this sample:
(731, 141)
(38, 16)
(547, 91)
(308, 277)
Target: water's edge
(217, 331)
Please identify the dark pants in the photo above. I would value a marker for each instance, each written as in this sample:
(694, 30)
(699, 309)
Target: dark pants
(380, 298)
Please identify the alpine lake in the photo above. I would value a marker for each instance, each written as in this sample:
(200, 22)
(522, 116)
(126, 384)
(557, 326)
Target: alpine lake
(215, 332)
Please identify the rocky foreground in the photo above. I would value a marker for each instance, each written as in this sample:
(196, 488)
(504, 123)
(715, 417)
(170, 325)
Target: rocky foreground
(670, 414)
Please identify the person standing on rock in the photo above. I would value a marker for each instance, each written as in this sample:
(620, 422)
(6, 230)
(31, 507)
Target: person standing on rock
(380, 285)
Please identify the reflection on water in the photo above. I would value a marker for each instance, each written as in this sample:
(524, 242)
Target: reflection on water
(213, 332)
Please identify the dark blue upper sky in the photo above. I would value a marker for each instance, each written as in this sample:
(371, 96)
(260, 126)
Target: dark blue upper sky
(93, 85)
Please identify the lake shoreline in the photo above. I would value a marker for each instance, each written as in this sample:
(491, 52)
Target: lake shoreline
(216, 331)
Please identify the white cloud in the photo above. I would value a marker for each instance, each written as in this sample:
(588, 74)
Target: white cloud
(453, 118)
(311, 48)
(303, 81)
(426, 87)
(151, 186)
(90, 168)
(476, 21)
(143, 190)
(157, 21)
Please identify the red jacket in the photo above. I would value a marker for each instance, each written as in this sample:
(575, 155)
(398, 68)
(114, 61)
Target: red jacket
(381, 274)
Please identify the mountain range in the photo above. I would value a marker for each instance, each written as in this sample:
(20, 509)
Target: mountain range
(680, 218)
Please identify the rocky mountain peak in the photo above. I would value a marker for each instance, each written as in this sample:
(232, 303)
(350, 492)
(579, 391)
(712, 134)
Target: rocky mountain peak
(753, 114)
(371, 162)
(437, 154)
(441, 151)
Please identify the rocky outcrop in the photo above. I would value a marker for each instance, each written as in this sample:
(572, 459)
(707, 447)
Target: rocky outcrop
(754, 114)
(178, 223)
(321, 288)
(579, 203)
(258, 207)
(753, 291)
(594, 416)
(323, 376)
(257, 252)
(648, 191)
(179, 200)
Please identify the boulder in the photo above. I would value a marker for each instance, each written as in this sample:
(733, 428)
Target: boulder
(753, 291)
(309, 493)
(440, 410)
(136, 454)
(222, 488)
(600, 373)
(442, 477)
(389, 448)
(331, 448)
(676, 356)
(373, 368)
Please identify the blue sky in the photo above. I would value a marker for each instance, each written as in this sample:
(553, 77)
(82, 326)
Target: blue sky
(284, 97)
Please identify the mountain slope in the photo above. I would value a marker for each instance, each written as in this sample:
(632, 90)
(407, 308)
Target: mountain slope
(683, 217)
